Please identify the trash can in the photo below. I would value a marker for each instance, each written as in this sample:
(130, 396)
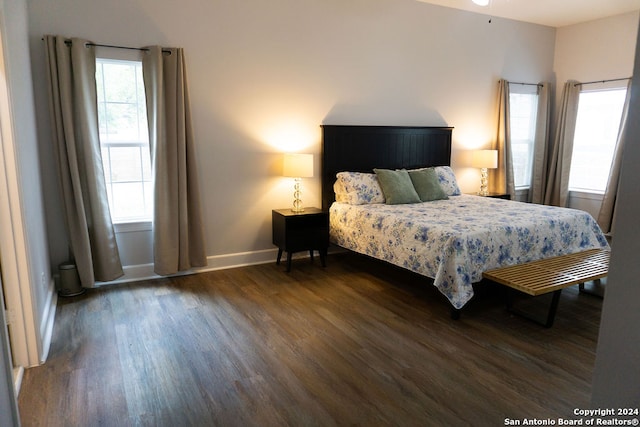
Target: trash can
(69, 284)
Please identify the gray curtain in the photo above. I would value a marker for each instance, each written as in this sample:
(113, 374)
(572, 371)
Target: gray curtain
(541, 147)
(74, 119)
(501, 179)
(607, 210)
(178, 242)
(557, 188)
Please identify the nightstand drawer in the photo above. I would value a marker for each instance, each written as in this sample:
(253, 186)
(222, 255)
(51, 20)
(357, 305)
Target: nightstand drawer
(311, 238)
(306, 222)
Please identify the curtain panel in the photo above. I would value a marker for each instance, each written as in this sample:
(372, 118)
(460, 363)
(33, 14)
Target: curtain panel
(501, 179)
(607, 209)
(557, 188)
(74, 118)
(178, 242)
(541, 147)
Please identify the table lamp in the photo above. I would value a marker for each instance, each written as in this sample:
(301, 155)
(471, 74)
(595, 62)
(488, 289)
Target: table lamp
(484, 159)
(297, 166)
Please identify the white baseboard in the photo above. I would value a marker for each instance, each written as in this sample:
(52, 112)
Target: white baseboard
(138, 272)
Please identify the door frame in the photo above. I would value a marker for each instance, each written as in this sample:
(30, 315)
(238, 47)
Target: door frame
(24, 344)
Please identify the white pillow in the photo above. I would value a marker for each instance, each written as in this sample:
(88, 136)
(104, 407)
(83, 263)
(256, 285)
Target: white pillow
(447, 180)
(358, 188)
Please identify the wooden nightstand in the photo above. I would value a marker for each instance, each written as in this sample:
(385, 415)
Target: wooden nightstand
(505, 196)
(295, 232)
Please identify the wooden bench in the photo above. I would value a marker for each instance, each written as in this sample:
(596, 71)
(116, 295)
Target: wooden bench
(551, 275)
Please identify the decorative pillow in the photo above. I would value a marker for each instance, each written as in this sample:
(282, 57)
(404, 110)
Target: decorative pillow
(447, 180)
(357, 188)
(427, 185)
(397, 186)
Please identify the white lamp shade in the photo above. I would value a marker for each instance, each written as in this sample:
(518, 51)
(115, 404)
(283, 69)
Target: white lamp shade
(297, 165)
(481, 2)
(485, 159)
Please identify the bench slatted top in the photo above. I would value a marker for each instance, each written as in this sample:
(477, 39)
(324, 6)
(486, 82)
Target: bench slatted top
(551, 274)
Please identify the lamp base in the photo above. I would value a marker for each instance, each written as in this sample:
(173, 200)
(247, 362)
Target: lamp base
(484, 182)
(297, 202)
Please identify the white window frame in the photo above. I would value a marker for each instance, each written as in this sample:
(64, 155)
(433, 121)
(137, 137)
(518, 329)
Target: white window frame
(524, 89)
(593, 88)
(131, 224)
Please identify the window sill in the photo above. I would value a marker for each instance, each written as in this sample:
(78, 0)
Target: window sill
(589, 195)
(132, 227)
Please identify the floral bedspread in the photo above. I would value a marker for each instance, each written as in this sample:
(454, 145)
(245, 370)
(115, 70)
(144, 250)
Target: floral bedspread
(453, 241)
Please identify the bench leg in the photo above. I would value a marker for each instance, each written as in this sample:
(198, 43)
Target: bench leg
(554, 307)
(551, 314)
(455, 313)
(584, 290)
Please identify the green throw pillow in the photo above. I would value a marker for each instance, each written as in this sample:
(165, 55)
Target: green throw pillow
(426, 183)
(396, 186)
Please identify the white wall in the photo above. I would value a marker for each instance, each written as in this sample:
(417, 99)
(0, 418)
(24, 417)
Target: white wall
(597, 50)
(265, 75)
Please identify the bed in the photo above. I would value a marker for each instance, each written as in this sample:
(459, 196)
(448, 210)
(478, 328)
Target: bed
(452, 240)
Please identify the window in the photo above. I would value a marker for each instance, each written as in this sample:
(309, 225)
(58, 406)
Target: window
(124, 139)
(523, 111)
(597, 126)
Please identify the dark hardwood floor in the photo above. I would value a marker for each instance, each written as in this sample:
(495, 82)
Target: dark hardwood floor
(358, 343)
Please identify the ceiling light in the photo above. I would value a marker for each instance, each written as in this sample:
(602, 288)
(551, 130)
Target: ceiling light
(481, 2)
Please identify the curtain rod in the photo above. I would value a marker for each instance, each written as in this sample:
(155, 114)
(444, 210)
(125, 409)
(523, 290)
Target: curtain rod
(601, 81)
(526, 84)
(112, 46)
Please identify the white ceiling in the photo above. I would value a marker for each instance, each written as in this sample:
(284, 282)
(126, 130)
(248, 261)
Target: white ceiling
(554, 13)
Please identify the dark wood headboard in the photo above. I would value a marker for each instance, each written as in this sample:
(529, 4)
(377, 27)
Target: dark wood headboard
(362, 148)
